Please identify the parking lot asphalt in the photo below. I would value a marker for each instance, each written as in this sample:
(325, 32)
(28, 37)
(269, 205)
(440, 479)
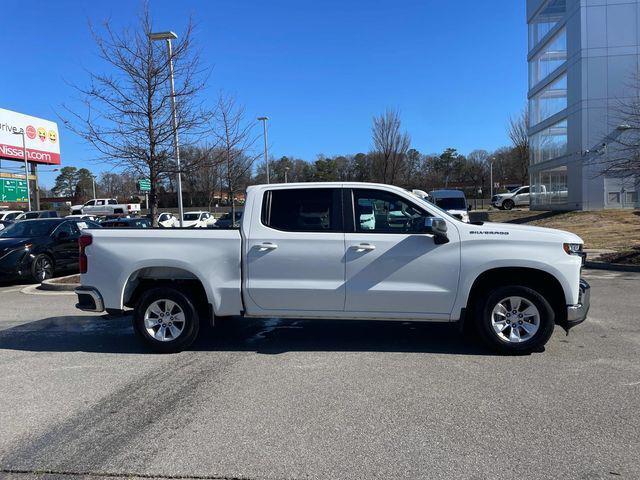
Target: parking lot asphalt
(279, 399)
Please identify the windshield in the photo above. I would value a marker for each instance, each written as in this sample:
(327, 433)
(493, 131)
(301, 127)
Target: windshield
(191, 216)
(451, 203)
(26, 228)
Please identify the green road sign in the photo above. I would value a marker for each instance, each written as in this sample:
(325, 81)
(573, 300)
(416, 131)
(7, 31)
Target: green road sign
(13, 190)
(144, 185)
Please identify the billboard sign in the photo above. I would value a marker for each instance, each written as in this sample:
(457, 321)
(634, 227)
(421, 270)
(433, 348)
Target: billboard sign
(12, 190)
(40, 136)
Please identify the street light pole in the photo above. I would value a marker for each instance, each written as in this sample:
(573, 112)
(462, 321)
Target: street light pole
(168, 36)
(266, 153)
(93, 177)
(286, 176)
(26, 167)
(491, 174)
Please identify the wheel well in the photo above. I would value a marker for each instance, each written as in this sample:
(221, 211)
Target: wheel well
(542, 282)
(152, 277)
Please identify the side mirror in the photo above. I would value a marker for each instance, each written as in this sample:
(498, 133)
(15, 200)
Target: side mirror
(437, 227)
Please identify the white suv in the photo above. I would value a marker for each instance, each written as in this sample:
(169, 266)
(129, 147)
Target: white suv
(516, 198)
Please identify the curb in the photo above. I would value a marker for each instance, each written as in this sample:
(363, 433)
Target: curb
(52, 285)
(614, 267)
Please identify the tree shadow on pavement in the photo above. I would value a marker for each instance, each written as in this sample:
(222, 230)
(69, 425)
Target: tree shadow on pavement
(265, 336)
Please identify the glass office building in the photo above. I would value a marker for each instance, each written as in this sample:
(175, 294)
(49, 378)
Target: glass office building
(583, 60)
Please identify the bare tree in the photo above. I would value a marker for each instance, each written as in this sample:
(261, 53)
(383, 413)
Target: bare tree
(235, 139)
(390, 146)
(126, 113)
(518, 130)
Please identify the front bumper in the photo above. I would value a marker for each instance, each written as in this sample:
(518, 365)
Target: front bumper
(89, 299)
(577, 314)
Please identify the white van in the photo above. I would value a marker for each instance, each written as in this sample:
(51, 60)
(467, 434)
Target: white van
(453, 202)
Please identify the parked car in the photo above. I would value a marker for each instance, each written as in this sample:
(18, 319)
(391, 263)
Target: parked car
(225, 220)
(197, 220)
(9, 214)
(518, 197)
(105, 206)
(36, 249)
(134, 222)
(453, 202)
(33, 214)
(168, 220)
(511, 283)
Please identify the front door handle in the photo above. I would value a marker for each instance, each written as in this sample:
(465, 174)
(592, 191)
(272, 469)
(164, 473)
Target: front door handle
(267, 246)
(364, 247)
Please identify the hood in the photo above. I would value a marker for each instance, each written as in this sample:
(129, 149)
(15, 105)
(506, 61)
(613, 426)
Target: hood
(548, 233)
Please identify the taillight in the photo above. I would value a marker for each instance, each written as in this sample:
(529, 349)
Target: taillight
(84, 242)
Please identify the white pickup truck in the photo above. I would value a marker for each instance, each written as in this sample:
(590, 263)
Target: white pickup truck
(105, 206)
(339, 251)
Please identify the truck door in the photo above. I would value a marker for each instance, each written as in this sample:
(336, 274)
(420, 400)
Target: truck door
(295, 252)
(392, 268)
(522, 197)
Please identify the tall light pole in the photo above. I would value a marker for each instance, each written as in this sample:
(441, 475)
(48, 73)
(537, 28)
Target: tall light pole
(26, 167)
(266, 153)
(491, 173)
(93, 177)
(286, 176)
(168, 36)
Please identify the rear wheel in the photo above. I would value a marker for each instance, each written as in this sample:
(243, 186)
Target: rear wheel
(166, 319)
(515, 319)
(508, 204)
(41, 268)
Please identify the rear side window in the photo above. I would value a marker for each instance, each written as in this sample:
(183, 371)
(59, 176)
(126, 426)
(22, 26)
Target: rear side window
(303, 210)
(112, 202)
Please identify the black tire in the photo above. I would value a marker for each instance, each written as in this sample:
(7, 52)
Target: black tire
(508, 204)
(190, 327)
(42, 268)
(483, 320)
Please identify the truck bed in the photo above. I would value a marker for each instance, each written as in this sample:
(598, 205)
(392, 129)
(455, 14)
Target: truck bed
(117, 258)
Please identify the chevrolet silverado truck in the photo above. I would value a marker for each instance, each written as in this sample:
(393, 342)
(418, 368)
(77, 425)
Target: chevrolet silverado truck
(339, 251)
(105, 206)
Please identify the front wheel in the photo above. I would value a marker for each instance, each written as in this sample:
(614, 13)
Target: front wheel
(41, 268)
(515, 319)
(166, 320)
(508, 204)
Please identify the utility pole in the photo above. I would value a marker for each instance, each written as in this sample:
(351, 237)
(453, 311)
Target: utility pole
(168, 36)
(266, 153)
(26, 168)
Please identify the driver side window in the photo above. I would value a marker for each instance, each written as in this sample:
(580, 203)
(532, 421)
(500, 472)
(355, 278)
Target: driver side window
(377, 211)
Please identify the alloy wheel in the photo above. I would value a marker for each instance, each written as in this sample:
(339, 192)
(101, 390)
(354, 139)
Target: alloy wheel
(164, 320)
(515, 319)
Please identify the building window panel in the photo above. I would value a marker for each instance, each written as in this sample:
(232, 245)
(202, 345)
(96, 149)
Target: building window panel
(549, 187)
(552, 55)
(551, 14)
(549, 143)
(549, 101)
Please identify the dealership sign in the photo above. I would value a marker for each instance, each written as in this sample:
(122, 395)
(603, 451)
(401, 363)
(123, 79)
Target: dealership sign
(40, 137)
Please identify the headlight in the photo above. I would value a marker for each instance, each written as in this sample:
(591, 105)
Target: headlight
(572, 248)
(575, 249)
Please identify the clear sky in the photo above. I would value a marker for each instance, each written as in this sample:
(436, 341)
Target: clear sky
(320, 69)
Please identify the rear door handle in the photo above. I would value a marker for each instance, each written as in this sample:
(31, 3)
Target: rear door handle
(267, 246)
(364, 247)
